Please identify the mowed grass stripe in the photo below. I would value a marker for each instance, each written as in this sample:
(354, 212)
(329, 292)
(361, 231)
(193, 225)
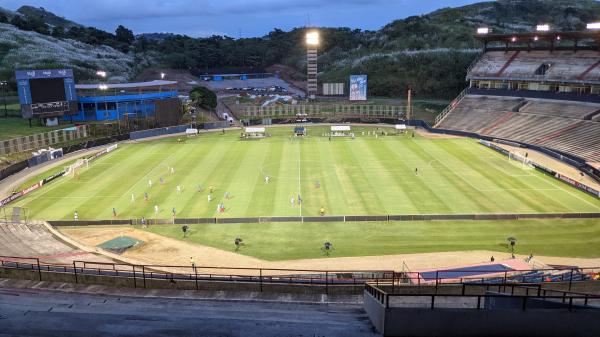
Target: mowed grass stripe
(524, 194)
(493, 182)
(569, 238)
(262, 200)
(389, 190)
(366, 175)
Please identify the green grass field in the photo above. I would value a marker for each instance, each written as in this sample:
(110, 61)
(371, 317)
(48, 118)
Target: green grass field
(14, 127)
(366, 175)
(288, 241)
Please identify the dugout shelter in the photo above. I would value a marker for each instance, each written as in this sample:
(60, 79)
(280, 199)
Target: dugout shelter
(341, 131)
(254, 133)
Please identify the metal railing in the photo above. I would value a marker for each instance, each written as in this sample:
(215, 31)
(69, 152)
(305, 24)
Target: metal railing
(574, 301)
(324, 111)
(450, 107)
(141, 274)
(491, 276)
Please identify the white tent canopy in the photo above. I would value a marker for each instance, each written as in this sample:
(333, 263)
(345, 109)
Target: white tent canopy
(255, 130)
(337, 128)
(400, 126)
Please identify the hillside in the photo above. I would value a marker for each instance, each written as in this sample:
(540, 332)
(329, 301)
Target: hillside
(428, 53)
(30, 50)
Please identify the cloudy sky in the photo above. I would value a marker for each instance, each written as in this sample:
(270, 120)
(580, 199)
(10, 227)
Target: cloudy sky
(233, 17)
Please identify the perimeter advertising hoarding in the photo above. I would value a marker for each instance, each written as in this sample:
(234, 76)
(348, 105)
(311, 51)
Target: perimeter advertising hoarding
(358, 87)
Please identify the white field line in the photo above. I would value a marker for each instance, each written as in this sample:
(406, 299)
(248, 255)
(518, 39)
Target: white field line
(299, 175)
(570, 193)
(143, 179)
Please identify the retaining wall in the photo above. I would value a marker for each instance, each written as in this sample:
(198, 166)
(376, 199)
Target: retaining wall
(340, 218)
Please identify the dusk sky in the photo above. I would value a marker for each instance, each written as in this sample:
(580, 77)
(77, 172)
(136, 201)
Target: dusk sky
(230, 17)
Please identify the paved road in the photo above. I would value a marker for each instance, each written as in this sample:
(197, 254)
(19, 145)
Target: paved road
(34, 312)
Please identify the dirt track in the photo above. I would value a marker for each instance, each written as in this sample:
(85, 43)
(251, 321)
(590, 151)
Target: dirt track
(166, 251)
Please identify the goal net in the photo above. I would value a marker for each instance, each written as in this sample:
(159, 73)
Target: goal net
(520, 159)
(75, 169)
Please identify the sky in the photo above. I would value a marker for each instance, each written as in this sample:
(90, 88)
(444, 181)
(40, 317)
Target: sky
(234, 18)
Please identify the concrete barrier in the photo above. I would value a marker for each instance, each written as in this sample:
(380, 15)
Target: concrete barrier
(337, 218)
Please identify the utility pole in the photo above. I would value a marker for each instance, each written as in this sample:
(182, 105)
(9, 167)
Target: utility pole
(4, 84)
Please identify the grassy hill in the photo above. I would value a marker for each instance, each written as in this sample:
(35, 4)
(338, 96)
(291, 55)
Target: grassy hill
(21, 49)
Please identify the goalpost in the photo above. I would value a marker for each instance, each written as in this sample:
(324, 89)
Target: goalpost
(75, 169)
(520, 159)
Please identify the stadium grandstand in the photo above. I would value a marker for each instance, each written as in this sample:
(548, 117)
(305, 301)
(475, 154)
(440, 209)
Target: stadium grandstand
(536, 89)
(110, 102)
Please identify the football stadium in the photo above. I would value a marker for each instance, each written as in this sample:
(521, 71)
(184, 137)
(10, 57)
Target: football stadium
(489, 213)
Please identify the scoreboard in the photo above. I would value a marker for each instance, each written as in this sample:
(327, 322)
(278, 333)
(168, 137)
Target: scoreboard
(46, 93)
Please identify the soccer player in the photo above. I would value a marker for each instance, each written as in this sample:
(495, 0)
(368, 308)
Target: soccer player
(114, 210)
(146, 196)
(178, 189)
(226, 195)
(161, 180)
(76, 216)
(199, 188)
(172, 170)
(266, 179)
(132, 198)
(150, 183)
(416, 171)
(292, 201)
(219, 208)
(317, 184)
(155, 209)
(211, 189)
(209, 197)
(322, 211)
(299, 200)
(174, 211)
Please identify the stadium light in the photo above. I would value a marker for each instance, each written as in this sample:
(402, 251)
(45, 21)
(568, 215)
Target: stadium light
(483, 30)
(535, 38)
(593, 25)
(101, 73)
(312, 38)
(514, 39)
(558, 37)
(162, 76)
(543, 28)
(103, 87)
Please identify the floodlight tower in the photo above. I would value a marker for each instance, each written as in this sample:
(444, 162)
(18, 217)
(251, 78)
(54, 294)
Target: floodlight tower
(312, 42)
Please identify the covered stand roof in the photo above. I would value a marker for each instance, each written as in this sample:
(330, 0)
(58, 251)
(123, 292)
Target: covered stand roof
(533, 40)
(155, 83)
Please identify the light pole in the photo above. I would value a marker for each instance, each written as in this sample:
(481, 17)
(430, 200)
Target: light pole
(312, 42)
(3, 84)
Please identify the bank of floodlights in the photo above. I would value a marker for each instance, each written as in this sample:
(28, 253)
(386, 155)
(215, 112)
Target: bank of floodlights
(312, 38)
(543, 28)
(483, 30)
(593, 25)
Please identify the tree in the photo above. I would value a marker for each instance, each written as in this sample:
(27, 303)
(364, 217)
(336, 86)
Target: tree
(124, 35)
(58, 32)
(204, 98)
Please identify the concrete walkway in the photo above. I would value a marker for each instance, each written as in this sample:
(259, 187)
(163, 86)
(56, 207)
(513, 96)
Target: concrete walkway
(30, 310)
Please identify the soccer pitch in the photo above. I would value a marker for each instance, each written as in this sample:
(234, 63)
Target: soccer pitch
(362, 176)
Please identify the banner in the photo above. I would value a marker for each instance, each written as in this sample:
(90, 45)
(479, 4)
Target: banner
(578, 185)
(358, 87)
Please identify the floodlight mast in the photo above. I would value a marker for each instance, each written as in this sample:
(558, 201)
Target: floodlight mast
(312, 41)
